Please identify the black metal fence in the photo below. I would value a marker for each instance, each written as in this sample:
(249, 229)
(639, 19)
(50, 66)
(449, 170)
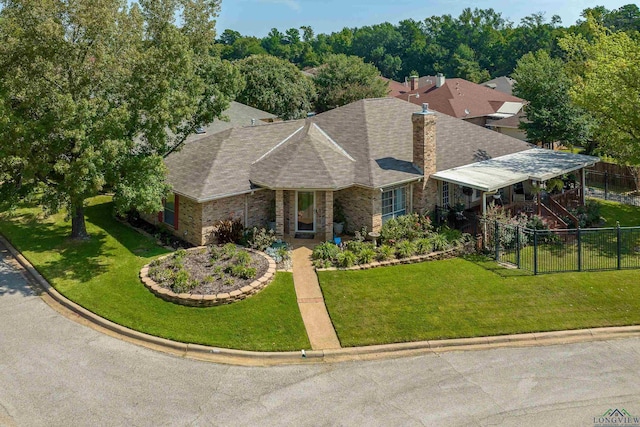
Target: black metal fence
(554, 251)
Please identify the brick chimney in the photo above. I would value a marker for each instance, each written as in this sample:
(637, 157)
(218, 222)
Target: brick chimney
(440, 80)
(424, 158)
(414, 82)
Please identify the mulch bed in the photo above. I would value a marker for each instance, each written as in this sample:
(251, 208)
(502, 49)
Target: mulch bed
(208, 273)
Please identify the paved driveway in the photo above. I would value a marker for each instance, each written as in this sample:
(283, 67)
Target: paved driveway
(54, 372)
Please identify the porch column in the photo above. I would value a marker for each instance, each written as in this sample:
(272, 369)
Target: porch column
(293, 212)
(328, 216)
(280, 213)
(582, 186)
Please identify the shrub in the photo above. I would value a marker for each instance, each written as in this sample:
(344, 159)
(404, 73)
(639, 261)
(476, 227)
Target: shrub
(424, 246)
(181, 282)
(228, 231)
(241, 271)
(405, 249)
(229, 250)
(406, 227)
(346, 259)
(440, 242)
(260, 238)
(384, 252)
(366, 255)
(242, 258)
(325, 251)
(283, 253)
(355, 246)
(214, 253)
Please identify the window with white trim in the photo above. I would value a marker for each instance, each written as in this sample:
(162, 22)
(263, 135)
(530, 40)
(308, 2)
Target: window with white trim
(445, 194)
(394, 203)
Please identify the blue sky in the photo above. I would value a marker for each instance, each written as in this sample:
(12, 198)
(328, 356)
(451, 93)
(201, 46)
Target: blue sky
(257, 17)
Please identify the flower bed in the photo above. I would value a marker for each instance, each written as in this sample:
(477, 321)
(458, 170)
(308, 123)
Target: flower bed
(207, 276)
(409, 237)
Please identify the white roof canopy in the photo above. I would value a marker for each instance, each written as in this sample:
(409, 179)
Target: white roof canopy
(536, 164)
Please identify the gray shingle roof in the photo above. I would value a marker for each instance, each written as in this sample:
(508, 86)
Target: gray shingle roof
(368, 143)
(239, 115)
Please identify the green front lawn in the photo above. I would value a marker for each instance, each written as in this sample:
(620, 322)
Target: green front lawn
(102, 276)
(612, 211)
(463, 298)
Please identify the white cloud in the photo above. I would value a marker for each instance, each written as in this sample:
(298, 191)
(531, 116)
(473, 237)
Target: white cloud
(292, 4)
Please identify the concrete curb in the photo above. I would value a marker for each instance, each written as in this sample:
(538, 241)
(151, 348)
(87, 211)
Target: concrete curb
(81, 315)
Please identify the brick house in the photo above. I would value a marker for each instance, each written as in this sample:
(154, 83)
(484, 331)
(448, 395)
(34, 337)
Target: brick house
(377, 157)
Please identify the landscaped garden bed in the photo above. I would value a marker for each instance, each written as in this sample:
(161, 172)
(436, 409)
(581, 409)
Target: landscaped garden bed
(405, 239)
(207, 276)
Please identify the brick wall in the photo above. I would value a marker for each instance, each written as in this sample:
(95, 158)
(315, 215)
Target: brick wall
(362, 208)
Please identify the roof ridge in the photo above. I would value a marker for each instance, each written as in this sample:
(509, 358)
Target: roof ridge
(277, 145)
(335, 144)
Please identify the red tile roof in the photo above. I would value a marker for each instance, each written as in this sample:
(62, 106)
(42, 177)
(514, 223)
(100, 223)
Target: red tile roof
(460, 98)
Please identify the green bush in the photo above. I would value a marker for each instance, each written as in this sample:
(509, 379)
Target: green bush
(214, 253)
(326, 251)
(424, 246)
(440, 242)
(181, 282)
(241, 271)
(260, 238)
(406, 227)
(366, 255)
(346, 259)
(405, 249)
(229, 250)
(384, 252)
(242, 258)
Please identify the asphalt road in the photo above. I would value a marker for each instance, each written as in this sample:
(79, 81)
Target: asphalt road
(55, 372)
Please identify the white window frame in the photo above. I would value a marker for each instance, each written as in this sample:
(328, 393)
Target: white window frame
(396, 209)
(445, 194)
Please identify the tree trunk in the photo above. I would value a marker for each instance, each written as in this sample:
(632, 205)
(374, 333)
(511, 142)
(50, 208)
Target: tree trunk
(78, 226)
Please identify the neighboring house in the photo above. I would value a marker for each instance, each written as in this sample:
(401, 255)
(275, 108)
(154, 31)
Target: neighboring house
(237, 115)
(509, 126)
(379, 158)
(502, 84)
(462, 99)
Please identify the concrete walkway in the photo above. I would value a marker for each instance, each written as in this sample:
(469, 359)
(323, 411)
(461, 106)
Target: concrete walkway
(316, 319)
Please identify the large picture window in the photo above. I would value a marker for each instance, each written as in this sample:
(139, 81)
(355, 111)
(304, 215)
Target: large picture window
(394, 203)
(169, 216)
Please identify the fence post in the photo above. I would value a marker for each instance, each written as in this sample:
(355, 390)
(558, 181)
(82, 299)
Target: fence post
(535, 251)
(579, 249)
(606, 185)
(619, 241)
(496, 239)
(518, 246)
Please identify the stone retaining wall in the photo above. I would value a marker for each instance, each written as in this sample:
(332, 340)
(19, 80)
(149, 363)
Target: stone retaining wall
(200, 300)
(433, 256)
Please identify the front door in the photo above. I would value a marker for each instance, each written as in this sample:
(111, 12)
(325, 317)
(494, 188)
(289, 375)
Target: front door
(306, 211)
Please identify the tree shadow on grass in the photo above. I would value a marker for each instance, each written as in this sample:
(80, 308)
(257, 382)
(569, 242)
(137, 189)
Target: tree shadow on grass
(138, 244)
(72, 259)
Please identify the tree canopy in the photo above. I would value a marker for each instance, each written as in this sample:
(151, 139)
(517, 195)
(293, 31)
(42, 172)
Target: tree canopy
(607, 84)
(93, 94)
(344, 79)
(551, 114)
(277, 86)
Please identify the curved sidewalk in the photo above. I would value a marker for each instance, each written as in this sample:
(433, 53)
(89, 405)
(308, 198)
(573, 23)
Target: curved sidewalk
(253, 358)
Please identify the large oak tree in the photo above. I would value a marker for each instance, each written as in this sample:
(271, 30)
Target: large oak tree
(93, 94)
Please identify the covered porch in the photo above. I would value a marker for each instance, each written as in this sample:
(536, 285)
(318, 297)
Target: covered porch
(536, 181)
